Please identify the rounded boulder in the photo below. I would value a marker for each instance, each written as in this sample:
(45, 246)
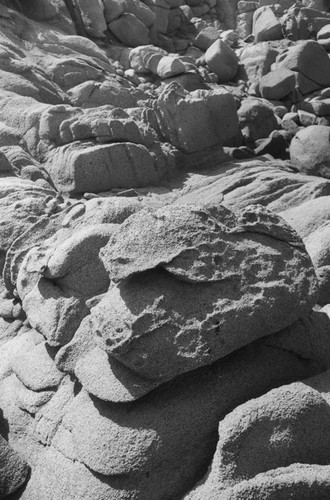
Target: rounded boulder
(310, 150)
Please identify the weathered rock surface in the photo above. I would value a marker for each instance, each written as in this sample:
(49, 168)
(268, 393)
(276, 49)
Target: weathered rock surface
(309, 216)
(274, 184)
(156, 338)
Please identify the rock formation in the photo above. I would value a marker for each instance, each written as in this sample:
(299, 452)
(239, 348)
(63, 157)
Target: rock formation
(164, 249)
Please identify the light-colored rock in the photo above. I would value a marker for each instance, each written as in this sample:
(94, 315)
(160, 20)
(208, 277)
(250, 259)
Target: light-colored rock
(139, 57)
(222, 60)
(305, 118)
(166, 326)
(323, 37)
(251, 182)
(170, 66)
(257, 60)
(317, 245)
(310, 150)
(84, 167)
(206, 38)
(91, 94)
(36, 368)
(22, 203)
(230, 37)
(309, 216)
(244, 24)
(57, 277)
(295, 482)
(125, 441)
(266, 26)
(267, 433)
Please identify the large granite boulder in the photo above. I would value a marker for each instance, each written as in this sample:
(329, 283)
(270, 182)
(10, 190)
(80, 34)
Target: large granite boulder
(144, 336)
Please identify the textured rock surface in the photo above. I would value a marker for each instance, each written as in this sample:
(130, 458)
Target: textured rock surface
(271, 183)
(214, 262)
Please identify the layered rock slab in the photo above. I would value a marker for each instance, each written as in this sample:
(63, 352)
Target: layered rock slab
(272, 183)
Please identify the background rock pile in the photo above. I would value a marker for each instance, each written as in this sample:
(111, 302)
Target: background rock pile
(164, 250)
